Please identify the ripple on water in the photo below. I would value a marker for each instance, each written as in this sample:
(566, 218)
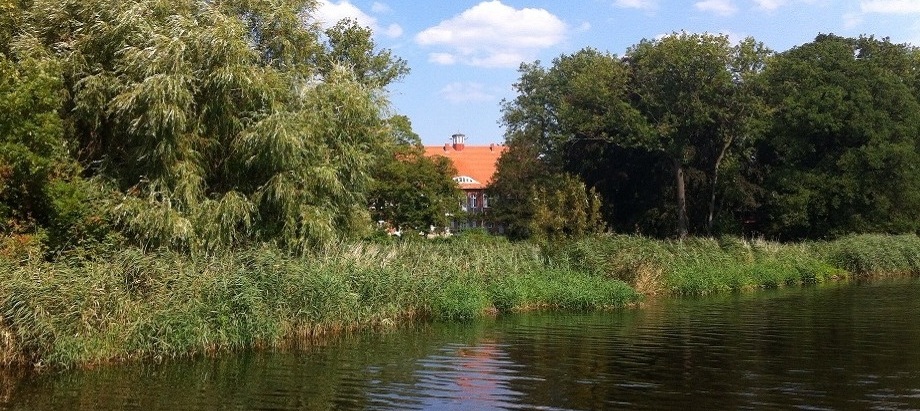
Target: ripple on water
(843, 347)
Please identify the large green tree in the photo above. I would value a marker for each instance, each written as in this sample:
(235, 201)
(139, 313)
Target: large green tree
(221, 122)
(694, 92)
(844, 141)
(688, 100)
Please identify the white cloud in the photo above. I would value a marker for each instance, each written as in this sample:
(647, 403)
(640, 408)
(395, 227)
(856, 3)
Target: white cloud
(720, 7)
(460, 92)
(637, 4)
(770, 4)
(380, 8)
(492, 34)
(329, 13)
(890, 6)
(394, 30)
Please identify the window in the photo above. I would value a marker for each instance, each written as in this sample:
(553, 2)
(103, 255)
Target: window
(465, 180)
(485, 201)
(472, 197)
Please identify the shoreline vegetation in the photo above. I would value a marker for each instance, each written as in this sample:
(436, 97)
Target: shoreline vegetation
(128, 304)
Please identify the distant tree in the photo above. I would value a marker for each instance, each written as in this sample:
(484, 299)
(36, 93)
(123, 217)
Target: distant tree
(410, 190)
(564, 208)
(844, 139)
(519, 171)
(688, 100)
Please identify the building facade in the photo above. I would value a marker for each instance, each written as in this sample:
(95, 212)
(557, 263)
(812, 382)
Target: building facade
(475, 166)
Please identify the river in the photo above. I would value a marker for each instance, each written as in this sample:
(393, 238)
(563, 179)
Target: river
(833, 347)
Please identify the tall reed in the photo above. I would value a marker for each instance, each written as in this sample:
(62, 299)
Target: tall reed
(132, 304)
(126, 304)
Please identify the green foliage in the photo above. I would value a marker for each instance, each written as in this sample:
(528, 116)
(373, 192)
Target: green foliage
(219, 123)
(412, 191)
(41, 190)
(518, 171)
(843, 146)
(32, 149)
(131, 304)
(696, 265)
(352, 46)
(874, 255)
(684, 105)
(563, 208)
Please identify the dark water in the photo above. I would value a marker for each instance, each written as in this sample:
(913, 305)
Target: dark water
(834, 347)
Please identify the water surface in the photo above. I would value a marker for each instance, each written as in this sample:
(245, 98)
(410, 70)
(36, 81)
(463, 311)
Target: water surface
(854, 346)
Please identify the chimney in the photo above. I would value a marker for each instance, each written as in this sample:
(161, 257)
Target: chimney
(458, 141)
(492, 147)
(446, 147)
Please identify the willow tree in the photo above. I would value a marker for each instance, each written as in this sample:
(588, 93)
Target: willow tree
(214, 119)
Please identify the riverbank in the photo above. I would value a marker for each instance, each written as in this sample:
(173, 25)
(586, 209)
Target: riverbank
(128, 304)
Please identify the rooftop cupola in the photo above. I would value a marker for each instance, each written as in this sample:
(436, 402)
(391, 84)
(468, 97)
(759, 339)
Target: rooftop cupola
(459, 141)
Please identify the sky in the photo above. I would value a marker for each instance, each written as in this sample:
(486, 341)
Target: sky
(464, 55)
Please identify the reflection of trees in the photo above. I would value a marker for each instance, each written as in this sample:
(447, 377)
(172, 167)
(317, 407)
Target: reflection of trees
(785, 348)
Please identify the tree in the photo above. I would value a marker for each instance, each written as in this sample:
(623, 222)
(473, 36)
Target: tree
(843, 149)
(412, 191)
(685, 99)
(216, 121)
(41, 190)
(518, 172)
(692, 89)
(565, 208)
(352, 46)
(32, 148)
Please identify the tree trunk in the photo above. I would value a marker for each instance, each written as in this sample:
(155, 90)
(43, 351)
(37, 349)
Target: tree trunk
(681, 200)
(715, 183)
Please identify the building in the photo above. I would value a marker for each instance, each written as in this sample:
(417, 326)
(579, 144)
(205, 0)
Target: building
(475, 168)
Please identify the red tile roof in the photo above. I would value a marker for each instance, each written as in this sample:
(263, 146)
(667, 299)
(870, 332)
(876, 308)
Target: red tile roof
(476, 162)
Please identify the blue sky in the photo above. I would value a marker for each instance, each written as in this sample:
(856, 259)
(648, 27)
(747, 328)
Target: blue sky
(464, 55)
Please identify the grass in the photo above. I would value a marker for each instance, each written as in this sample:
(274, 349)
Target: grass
(130, 304)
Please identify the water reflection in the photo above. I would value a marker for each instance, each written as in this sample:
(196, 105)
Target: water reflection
(837, 347)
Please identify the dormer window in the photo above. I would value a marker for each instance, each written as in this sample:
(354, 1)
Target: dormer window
(465, 180)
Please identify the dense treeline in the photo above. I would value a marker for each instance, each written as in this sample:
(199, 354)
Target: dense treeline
(689, 134)
(195, 125)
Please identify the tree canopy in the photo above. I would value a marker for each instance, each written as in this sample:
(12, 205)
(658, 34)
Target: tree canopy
(842, 151)
(689, 133)
(218, 122)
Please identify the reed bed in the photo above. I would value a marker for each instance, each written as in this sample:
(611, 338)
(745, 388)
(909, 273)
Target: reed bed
(129, 304)
(708, 265)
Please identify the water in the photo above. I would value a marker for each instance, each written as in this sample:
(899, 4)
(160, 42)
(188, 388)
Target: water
(836, 347)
